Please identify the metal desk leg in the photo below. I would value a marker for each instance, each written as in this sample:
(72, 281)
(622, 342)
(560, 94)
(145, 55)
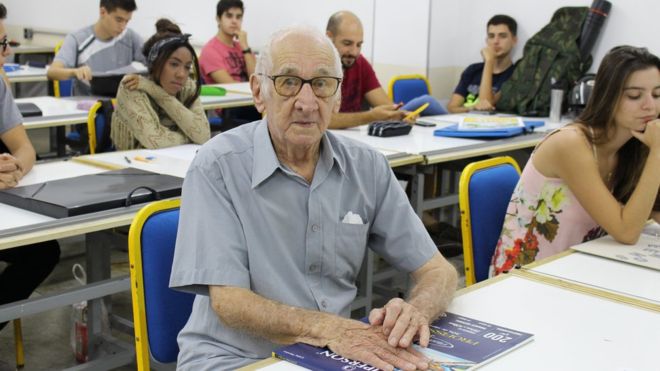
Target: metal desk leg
(98, 268)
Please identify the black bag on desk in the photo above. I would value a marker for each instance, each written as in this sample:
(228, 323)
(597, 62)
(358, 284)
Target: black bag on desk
(389, 128)
(95, 192)
(29, 109)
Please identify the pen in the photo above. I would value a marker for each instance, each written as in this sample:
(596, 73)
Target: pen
(416, 112)
(128, 160)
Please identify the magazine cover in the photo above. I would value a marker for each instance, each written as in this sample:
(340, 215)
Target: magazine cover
(457, 343)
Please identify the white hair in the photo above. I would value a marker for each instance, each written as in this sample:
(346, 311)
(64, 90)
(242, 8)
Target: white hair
(264, 65)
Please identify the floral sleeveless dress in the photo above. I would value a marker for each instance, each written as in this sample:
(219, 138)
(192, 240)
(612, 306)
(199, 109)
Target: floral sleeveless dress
(543, 218)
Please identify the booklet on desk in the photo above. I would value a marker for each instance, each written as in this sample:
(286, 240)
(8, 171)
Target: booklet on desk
(94, 192)
(457, 343)
(488, 127)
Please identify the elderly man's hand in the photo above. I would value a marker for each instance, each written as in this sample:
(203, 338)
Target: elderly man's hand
(401, 322)
(388, 112)
(369, 344)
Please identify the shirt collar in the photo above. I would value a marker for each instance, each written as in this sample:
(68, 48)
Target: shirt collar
(265, 161)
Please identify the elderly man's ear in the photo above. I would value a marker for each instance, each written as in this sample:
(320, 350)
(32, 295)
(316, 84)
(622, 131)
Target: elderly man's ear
(257, 94)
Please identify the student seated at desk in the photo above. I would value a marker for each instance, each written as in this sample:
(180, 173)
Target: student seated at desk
(164, 109)
(227, 58)
(600, 173)
(27, 265)
(480, 83)
(360, 86)
(107, 45)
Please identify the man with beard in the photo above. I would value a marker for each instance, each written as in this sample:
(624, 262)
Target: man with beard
(360, 82)
(479, 88)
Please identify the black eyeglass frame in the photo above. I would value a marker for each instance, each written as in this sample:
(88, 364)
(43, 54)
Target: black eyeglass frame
(303, 82)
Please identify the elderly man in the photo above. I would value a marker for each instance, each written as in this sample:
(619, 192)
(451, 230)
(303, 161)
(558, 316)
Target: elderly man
(275, 222)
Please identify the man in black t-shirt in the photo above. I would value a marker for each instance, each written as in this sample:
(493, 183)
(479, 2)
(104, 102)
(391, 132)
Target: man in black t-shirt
(480, 82)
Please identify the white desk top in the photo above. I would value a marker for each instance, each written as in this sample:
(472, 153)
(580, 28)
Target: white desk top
(237, 87)
(421, 141)
(605, 274)
(55, 112)
(27, 74)
(26, 48)
(228, 100)
(150, 160)
(572, 331)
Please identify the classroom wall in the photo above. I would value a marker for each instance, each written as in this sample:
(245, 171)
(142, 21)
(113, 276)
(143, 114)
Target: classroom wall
(458, 31)
(437, 38)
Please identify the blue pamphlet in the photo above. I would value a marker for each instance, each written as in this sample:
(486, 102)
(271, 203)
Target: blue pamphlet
(454, 132)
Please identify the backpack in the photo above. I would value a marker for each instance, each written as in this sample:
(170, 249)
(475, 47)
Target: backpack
(552, 55)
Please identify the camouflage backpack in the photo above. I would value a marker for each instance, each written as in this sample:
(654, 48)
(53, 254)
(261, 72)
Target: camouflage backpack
(552, 54)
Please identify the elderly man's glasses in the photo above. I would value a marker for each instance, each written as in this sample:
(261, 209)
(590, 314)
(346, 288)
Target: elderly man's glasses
(4, 43)
(289, 86)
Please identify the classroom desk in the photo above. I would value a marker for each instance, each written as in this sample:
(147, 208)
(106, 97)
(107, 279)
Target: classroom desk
(572, 330)
(20, 227)
(613, 278)
(26, 48)
(442, 152)
(27, 74)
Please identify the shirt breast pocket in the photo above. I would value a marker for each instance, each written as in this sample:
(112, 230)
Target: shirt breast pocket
(350, 247)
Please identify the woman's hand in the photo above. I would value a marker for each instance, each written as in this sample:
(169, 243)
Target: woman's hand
(651, 135)
(131, 82)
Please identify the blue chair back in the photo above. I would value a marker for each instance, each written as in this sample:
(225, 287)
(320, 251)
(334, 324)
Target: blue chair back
(407, 87)
(159, 312)
(485, 189)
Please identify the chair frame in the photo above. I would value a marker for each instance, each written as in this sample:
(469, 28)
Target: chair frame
(464, 206)
(91, 125)
(142, 353)
(56, 83)
(393, 80)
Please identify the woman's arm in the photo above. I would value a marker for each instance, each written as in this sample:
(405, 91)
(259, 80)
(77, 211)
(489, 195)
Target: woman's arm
(192, 121)
(569, 156)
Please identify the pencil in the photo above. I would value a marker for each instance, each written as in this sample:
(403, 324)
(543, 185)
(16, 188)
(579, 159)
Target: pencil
(416, 112)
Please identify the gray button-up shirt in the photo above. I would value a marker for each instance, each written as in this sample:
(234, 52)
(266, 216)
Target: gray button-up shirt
(248, 221)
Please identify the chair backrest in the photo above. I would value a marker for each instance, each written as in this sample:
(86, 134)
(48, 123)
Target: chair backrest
(62, 88)
(159, 313)
(99, 120)
(484, 193)
(403, 88)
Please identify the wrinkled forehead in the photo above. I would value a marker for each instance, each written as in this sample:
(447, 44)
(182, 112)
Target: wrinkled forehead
(303, 56)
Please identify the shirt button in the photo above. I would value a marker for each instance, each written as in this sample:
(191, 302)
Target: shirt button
(316, 228)
(314, 267)
(324, 304)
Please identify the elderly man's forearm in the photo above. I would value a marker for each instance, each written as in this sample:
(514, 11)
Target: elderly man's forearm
(283, 324)
(434, 290)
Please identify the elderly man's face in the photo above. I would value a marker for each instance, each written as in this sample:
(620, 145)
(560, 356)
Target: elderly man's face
(300, 120)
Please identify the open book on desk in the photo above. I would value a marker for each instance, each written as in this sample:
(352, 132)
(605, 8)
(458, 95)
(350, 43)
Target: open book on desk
(457, 343)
